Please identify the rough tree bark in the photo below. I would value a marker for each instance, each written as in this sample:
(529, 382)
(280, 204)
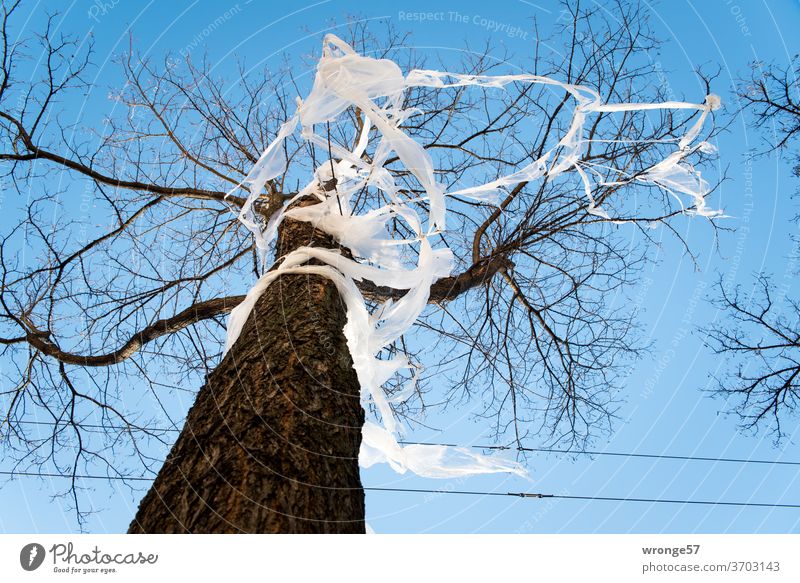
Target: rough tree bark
(271, 442)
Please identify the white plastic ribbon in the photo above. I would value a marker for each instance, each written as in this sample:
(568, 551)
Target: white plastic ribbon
(344, 80)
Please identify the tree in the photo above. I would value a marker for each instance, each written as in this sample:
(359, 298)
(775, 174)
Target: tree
(760, 335)
(533, 322)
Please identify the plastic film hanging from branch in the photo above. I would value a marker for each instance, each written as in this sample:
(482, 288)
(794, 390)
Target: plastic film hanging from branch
(345, 80)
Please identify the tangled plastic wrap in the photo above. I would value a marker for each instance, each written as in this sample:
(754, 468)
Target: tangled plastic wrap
(344, 80)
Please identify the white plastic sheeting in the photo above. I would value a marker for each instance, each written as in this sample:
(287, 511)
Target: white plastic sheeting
(344, 80)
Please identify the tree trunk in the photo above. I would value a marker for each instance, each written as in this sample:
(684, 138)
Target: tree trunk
(271, 442)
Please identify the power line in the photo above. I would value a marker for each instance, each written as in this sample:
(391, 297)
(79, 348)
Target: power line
(529, 495)
(491, 447)
(589, 498)
(617, 454)
(99, 426)
(76, 476)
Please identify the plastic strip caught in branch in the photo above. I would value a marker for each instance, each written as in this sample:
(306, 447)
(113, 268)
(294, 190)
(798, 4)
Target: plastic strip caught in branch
(346, 80)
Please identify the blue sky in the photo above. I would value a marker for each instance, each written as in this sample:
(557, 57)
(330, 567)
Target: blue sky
(667, 409)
